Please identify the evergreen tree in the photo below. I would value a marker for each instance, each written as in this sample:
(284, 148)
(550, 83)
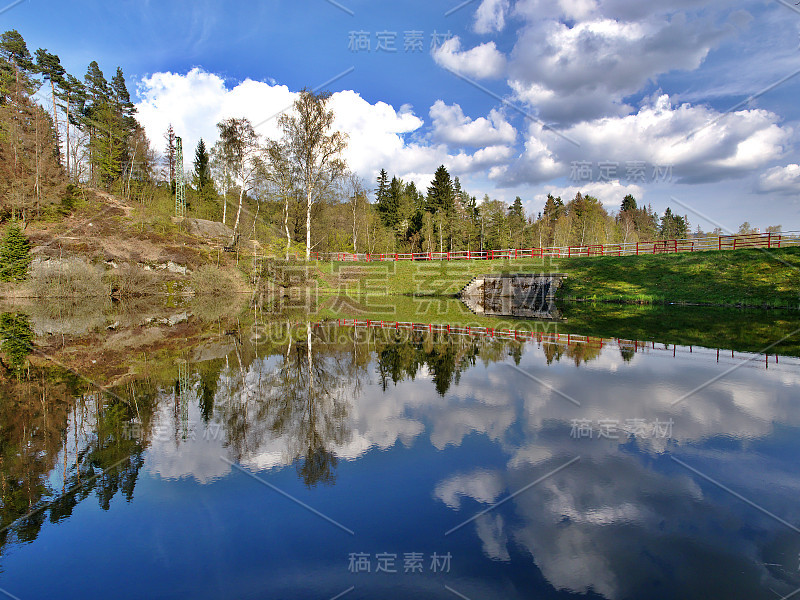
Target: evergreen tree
(440, 193)
(386, 200)
(122, 101)
(517, 210)
(16, 339)
(15, 254)
(72, 94)
(49, 65)
(106, 149)
(383, 185)
(628, 203)
(673, 226)
(202, 171)
(17, 69)
(516, 222)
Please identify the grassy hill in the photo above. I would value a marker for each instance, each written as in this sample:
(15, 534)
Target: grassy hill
(744, 278)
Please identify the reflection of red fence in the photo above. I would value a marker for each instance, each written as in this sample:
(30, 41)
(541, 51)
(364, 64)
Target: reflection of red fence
(724, 242)
(567, 339)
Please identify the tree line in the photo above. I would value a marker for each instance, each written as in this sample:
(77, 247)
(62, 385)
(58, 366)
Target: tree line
(295, 193)
(88, 134)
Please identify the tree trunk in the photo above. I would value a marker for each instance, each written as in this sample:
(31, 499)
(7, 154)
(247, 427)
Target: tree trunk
(225, 205)
(286, 224)
(308, 224)
(130, 170)
(69, 175)
(239, 210)
(355, 228)
(55, 121)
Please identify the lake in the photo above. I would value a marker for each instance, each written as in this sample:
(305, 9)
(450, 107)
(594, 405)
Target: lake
(278, 454)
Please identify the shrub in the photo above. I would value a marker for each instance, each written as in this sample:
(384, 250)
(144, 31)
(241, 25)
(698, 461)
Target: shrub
(70, 200)
(67, 278)
(17, 338)
(128, 281)
(15, 254)
(209, 279)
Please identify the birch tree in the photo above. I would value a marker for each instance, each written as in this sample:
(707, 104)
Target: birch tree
(282, 176)
(314, 149)
(242, 150)
(358, 205)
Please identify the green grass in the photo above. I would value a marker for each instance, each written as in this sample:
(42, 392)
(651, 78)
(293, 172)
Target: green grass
(745, 278)
(742, 330)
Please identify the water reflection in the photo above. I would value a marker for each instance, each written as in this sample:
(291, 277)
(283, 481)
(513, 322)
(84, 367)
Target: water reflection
(462, 417)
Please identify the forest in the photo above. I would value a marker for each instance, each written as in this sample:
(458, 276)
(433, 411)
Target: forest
(61, 134)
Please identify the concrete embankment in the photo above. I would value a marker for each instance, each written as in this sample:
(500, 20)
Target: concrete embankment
(519, 295)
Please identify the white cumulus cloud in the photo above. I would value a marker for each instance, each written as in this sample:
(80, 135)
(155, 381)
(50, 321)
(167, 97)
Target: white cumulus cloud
(780, 180)
(481, 62)
(451, 126)
(491, 16)
(700, 144)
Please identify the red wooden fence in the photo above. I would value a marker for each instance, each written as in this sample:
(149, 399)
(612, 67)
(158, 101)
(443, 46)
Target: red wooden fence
(725, 242)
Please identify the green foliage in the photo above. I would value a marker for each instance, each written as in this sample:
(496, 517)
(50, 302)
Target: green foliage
(628, 203)
(203, 182)
(440, 193)
(673, 226)
(15, 254)
(70, 200)
(17, 339)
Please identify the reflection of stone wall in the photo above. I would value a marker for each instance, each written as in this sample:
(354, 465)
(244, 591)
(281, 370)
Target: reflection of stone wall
(520, 295)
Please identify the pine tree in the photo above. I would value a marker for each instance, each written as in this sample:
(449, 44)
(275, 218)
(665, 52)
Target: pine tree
(384, 203)
(106, 144)
(628, 203)
(203, 182)
(15, 254)
(440, 193)
(383, 185)
(72, 94)
(673, 226)
(49, 65)
(17, 337)
(516, 222)
(517, 210)
(169, 157)
(202, 171)
(18, 69)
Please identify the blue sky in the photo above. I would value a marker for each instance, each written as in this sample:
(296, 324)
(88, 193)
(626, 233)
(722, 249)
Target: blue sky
(635, 94)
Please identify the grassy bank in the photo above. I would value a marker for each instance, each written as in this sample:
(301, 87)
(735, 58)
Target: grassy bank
(742, 330)
(748, 278)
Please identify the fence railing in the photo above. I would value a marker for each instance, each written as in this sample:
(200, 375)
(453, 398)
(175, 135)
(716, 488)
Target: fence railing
(724, 242)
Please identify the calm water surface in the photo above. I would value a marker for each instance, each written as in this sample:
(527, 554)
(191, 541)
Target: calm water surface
(331, 461)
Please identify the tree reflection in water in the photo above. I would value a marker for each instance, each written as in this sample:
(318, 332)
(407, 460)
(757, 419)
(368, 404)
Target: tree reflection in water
(290, 399)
